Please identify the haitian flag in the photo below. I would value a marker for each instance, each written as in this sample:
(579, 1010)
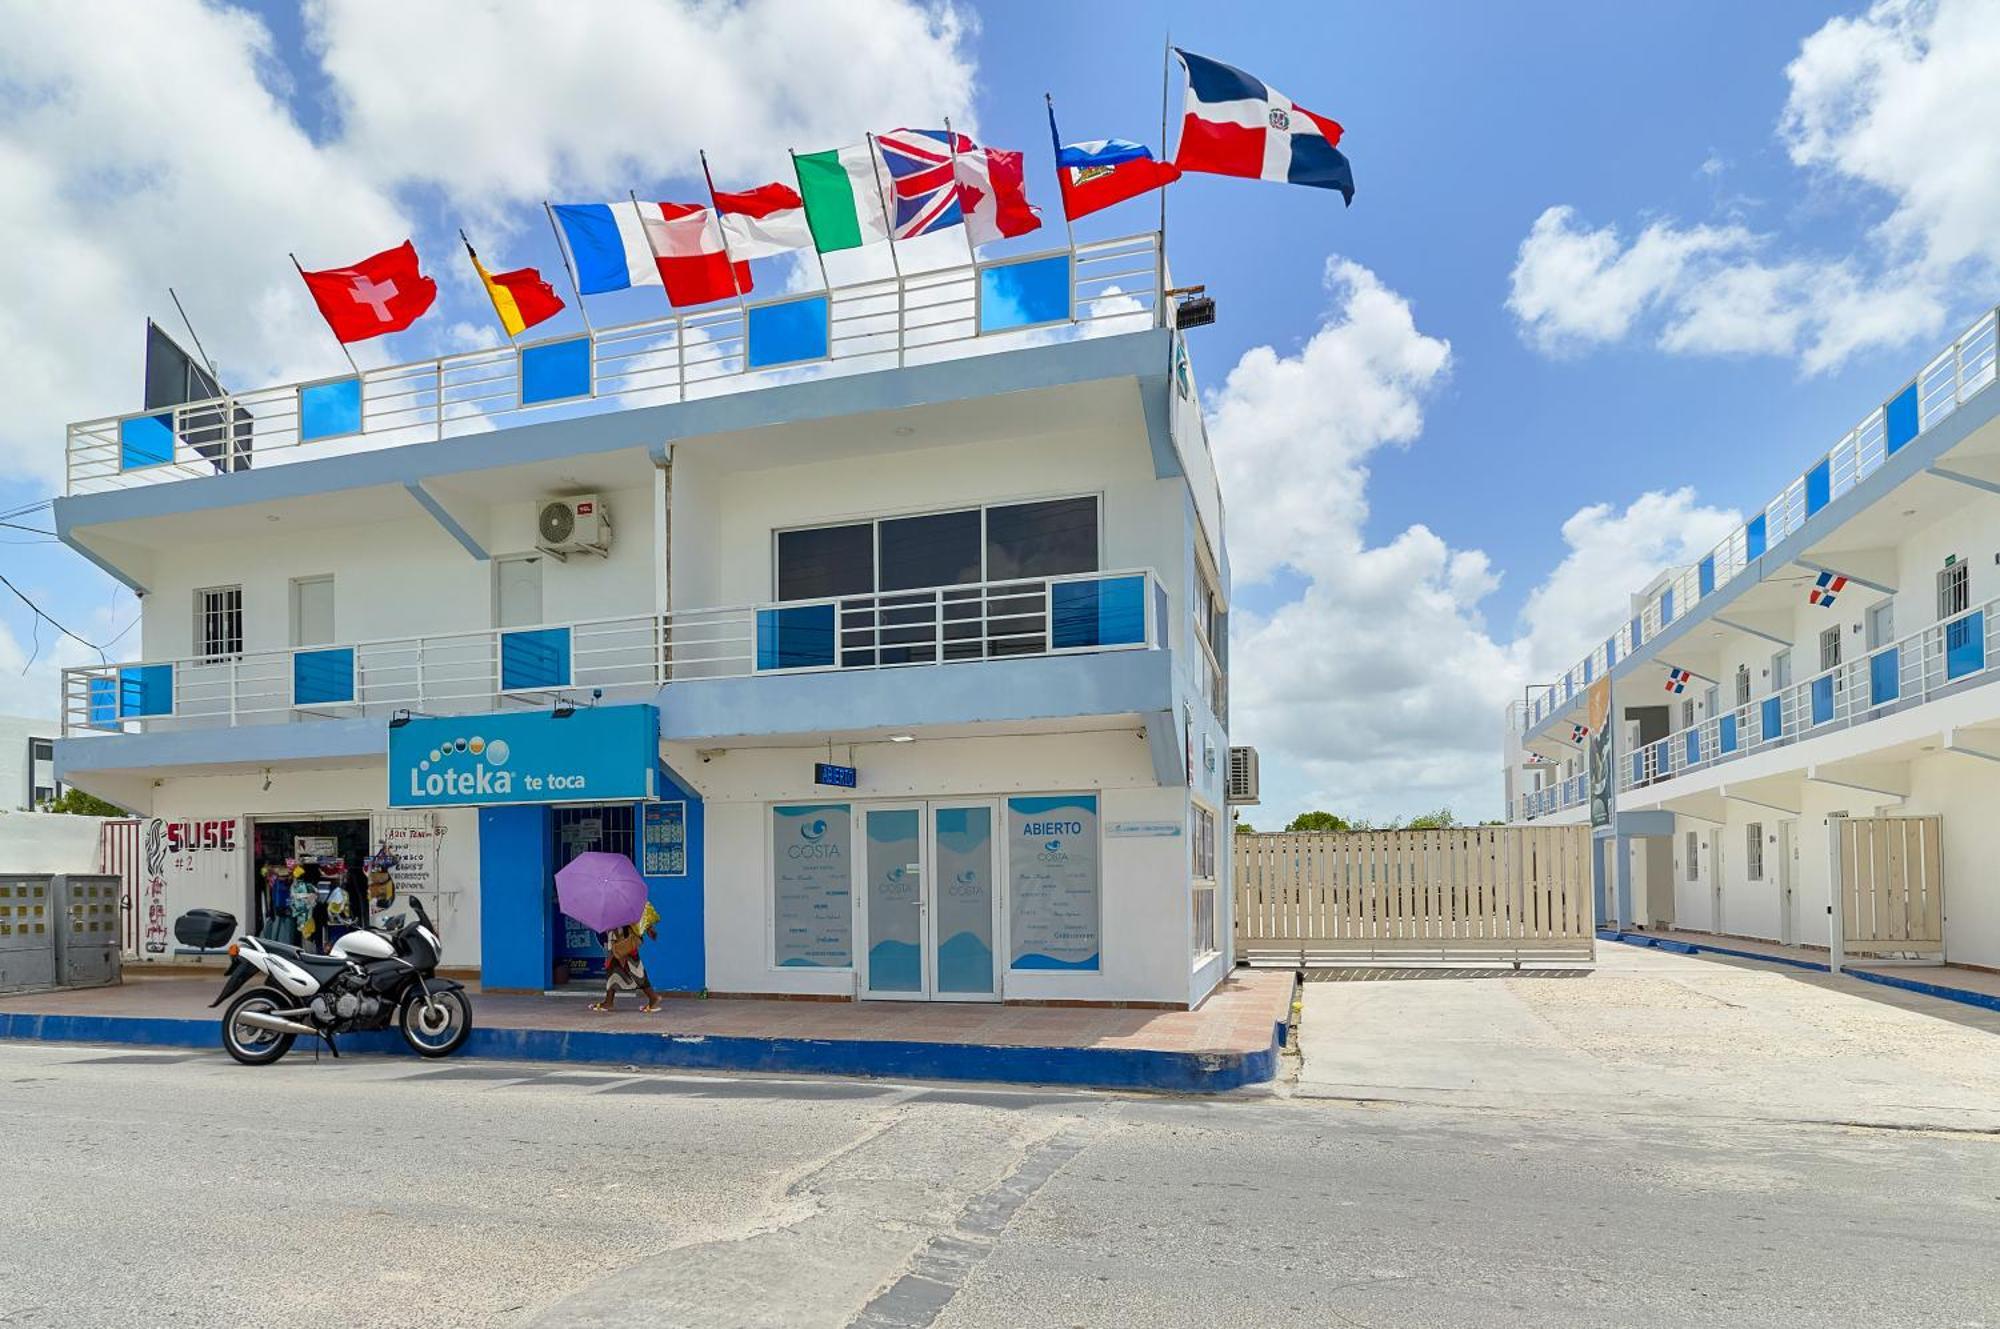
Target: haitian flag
(1104, 171)
(1237, 125)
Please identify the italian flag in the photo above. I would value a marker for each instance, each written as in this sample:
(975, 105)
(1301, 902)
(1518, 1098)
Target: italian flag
(843, 200)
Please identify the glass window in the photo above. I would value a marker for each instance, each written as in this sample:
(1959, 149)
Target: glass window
(41, 749)
(812, 913)
(1743, 685)
(1693, 857)
(1954, 591)
(826, 560)
(1053, 884)
(1829, 648)
(218, 627)
(1687, 713)
(1753, 851)
(1041, 539)
(941, 549)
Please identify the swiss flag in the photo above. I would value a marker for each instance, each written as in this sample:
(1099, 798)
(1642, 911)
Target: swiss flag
(382, 293)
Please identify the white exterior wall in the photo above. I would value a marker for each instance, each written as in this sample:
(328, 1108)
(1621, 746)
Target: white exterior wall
(48, 842)
(16, 779)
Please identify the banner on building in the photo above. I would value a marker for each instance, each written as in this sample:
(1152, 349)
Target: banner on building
(1054, 882)
(1602, 755)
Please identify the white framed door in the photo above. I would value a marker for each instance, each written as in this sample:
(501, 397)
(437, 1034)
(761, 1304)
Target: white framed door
(517, 591)
(927, 900)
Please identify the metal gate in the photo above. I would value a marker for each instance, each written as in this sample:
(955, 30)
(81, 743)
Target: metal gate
(1392, 897)
(118, 855)
(1891, 875)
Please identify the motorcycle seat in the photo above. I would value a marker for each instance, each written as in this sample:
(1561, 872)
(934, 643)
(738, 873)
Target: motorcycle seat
(309, 960)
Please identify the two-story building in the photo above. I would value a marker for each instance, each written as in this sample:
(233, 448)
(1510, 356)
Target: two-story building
(883, 627)
(1827, 662)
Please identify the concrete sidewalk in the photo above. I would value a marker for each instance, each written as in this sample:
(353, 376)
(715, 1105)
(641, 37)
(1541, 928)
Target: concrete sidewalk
(1229, 1041)
(1951, 982)
(1659, 1033)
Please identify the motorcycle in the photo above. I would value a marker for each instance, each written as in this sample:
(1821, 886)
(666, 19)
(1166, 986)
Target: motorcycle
(370, 979)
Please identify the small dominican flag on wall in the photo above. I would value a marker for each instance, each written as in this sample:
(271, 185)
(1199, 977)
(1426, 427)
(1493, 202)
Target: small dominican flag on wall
(1677, 680)
(1578, 732)
(1824, 588)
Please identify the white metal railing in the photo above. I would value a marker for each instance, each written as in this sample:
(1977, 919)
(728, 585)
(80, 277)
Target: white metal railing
(1961, 651)
(458, 672)
(915, 317)
(1946, 382)
(1553, 798)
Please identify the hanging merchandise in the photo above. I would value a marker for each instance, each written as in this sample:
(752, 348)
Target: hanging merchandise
(301, 899)
(381, 885)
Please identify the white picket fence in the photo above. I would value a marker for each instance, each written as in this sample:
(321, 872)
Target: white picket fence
(1468, 894)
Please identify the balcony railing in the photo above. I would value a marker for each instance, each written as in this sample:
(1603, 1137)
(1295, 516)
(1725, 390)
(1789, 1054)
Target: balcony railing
(1552, 799)
(1960, 652)
(912, 318)
(457, 672)
(1948, 381)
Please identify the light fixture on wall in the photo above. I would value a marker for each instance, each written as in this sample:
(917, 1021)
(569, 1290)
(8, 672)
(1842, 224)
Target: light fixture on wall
(562, 709)
(902, 738)
(267, 779)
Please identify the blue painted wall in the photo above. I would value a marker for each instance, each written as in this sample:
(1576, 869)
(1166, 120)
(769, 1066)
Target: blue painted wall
(678, 961)
(516, 858)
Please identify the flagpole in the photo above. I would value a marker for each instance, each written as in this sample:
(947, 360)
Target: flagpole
(480, 273)
(196, 336)
(640, 213)
(562, 250)
(715, 206)
(1069, 228)
(1166, 86)
(889, 220)
(964, 222)
(329, 327)
(824, 280)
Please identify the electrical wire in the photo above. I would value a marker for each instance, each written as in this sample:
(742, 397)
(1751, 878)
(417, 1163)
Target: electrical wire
(44, 617)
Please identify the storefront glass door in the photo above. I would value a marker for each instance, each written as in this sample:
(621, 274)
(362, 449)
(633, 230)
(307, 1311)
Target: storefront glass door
(929, 906)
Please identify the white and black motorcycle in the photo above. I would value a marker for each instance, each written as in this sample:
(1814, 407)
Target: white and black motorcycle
(371, 979)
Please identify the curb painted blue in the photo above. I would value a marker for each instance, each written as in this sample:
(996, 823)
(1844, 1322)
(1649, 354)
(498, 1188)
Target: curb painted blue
(1963, 996)
(1096, 1068)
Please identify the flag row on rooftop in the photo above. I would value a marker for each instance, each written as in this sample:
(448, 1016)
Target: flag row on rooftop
(895, 186)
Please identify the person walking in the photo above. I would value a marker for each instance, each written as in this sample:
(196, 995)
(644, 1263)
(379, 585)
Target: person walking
(624, 970)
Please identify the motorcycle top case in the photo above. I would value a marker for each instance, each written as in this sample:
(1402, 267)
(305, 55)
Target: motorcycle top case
(208, 929)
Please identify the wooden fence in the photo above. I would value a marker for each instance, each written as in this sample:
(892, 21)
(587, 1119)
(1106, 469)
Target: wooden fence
(1892, 885)
(1390, 897)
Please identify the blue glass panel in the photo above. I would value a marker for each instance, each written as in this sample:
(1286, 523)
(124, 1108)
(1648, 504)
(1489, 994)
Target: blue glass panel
(146, 690)
(323, 677)
(1965, 645)
(1819, 488)
(1705, 576)
(1638, 767)
(1021, 295)
(1885, 682)
(1589, 663)
(800, 637)
(103, 700)
(534, 658)
(1726, 733)
(1822, 699)
(1106, 612)
(1774, 718)
(1753, 537)
(788, 333)
(1900, 418)
(328, 410)
(1610, 651)
(1638, 632)
(1693, 745)
(555, 371)
(1666, 606)
(146, 440)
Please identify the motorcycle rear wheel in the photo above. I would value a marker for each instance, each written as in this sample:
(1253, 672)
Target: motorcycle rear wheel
(438, 1032)
(248, 1044)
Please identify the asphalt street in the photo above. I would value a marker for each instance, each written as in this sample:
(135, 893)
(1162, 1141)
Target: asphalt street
(149, 1188)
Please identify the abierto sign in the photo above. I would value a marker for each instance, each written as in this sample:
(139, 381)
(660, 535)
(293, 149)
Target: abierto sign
(596, 754)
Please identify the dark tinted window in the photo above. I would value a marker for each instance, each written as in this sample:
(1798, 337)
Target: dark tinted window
(937, 550)
(1041, 539)
(827, 560)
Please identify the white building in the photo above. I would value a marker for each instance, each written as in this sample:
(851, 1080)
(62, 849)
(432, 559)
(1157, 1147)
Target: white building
(616, 591)
(27, 762)
(1829, 659)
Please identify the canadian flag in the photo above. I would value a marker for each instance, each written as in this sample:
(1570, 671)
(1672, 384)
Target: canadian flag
(687, 246)
(993, 194)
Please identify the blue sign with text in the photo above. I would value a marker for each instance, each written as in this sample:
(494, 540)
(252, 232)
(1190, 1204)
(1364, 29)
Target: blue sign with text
(825, 772)
(596, 754)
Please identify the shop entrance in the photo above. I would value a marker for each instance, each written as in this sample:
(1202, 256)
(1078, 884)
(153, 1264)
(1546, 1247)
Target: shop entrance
(928, 900)
(311, 882)
(584, 828)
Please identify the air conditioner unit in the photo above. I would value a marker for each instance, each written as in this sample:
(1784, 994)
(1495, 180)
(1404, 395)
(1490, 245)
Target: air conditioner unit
(579, 524)
(1242, 775)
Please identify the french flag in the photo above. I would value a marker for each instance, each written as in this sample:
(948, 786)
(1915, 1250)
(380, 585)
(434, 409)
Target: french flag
(1237, 125)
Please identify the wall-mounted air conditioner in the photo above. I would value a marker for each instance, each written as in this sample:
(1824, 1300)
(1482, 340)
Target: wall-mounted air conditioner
(1242, 775)
(578, 524)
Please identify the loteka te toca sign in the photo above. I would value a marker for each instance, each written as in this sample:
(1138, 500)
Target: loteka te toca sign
(594, 754)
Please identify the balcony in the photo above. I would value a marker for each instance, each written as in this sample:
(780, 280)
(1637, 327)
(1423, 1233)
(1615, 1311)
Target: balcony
(913, 318)
(1958, 653)
(1553, 799)
(629, 657)
(1951, 378)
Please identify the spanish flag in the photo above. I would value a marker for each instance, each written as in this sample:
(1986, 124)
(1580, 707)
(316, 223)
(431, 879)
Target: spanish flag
(521, 298)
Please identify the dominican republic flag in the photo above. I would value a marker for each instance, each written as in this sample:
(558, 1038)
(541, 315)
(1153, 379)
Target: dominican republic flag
(384, 292)
(1824, 588)
(687, 249)
(922, 183)
(1677, 680)
(1578, 732)
(1104, 171)
(1237, 125)
(765, 221)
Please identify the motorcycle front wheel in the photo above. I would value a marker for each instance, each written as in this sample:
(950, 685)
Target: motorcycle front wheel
(438, 1028)
(249, 1044)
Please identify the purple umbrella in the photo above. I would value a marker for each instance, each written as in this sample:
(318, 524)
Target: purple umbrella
(601, 891)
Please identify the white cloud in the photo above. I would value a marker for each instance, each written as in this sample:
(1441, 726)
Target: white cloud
(1899, 103)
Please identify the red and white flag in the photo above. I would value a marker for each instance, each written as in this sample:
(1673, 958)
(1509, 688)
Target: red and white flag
(384, 292)
(767, 220)
(993, 193)
(687, 247)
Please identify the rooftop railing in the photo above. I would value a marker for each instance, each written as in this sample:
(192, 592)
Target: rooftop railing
(487, 669)
(1948, 381)
(911, 318)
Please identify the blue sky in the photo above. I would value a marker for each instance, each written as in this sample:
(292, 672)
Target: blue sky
(1701, 361)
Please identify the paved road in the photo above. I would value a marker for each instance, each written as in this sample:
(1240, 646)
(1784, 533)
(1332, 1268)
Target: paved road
(173, 1188)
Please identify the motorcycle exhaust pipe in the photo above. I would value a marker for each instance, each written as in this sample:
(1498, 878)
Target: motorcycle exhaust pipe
(276, 1024)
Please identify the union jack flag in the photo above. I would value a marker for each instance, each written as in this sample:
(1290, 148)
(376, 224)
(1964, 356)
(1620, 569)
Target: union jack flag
(923, 183)
(1578, 732)
(1677, 680)
(1825, 587)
